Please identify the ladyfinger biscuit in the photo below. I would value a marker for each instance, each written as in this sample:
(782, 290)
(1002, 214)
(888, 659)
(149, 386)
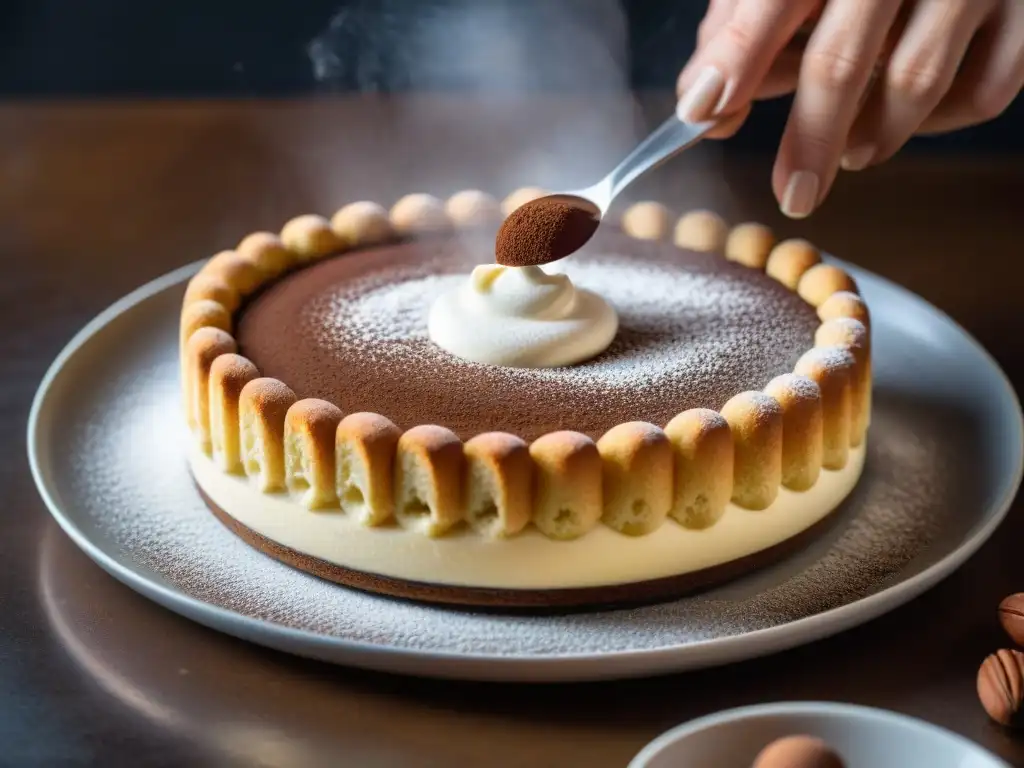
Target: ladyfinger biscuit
(419, 213)
(637, 467)
(704, 459)
(831, 368)
(819, 282)
(207, 287)
(852, 335)
(238, 272)
(789, 260)
(703, 231)
(749, 244)
(228, 375)
(310, 237)
(204, 313)
(802, 430)
(499, 484)
(647, 220)
(428, 479)
(472, 208)
(203, 347)
(267, 252)
(309, 429)
(262, 407)
(755, 420)
(362, 223)
(365, 447)
(567, 502)
(845, 304)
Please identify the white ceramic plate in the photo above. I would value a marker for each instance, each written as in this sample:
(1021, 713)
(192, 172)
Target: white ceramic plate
(106, 446)
(863, 737)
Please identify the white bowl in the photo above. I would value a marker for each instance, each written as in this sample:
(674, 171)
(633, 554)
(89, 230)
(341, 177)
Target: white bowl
(864, 738)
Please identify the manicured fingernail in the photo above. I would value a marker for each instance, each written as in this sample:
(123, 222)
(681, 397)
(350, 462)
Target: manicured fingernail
(801, 194)
(857, 159)
(701, 96)
(723, 101)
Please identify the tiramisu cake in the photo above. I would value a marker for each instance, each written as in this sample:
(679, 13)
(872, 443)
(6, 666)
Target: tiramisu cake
(373, 399)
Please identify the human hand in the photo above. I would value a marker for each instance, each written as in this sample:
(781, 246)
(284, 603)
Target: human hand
(873, 73)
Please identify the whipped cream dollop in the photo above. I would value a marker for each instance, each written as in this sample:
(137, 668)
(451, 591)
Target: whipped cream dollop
(521, 317)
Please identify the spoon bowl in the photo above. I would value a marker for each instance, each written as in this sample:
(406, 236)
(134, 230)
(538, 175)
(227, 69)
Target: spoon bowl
(670, 138)
(546, 230)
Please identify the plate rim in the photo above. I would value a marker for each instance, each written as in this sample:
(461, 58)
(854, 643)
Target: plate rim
(618, 664)
(836, 709)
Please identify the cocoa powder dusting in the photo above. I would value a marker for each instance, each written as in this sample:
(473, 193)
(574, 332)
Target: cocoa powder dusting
(695, 329)
(545, 230)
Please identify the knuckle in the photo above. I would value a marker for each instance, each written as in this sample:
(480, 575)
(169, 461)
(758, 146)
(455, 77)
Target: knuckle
(812, 143)
(815, 143)
(833, 68)
(918, 82)
(736, 34)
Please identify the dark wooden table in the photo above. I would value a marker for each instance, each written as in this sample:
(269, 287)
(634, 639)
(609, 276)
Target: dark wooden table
(96, 199)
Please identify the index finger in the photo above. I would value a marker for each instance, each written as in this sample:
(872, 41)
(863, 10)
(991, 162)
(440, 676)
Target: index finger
(719, 12)
(728, 70)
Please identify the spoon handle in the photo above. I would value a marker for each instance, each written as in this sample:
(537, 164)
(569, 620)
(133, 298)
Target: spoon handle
(671, 137)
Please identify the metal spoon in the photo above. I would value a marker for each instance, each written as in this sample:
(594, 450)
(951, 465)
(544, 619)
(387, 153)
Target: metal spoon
(670, 138)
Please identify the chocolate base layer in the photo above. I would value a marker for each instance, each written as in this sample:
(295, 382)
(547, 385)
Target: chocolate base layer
(694, 330)
(532, 600)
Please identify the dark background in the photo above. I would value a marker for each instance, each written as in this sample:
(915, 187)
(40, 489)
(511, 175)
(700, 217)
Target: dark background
(282, 48)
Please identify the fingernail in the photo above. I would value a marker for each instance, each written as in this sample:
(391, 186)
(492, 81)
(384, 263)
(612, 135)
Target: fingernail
(857, 159)
(727, 92)
(701, 96)
(801, 194)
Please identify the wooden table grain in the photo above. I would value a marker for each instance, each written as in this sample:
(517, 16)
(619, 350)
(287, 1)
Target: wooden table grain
(96, 198)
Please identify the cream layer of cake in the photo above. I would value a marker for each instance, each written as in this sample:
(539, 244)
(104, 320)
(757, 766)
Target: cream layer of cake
(529, 560)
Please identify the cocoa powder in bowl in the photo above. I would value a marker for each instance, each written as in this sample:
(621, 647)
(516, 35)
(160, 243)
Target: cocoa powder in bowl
(545, 230)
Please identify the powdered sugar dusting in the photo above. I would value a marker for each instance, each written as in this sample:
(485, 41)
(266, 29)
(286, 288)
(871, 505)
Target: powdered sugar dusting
(676, 323)
(828, 358)
(134, 496)
(693, 331)
(801, 386)
(752, 408)
(390, 311)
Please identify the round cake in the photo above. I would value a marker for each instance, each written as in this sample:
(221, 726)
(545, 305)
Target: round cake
(719, 413)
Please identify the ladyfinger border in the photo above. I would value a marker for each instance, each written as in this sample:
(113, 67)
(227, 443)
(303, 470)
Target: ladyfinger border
(816, 397)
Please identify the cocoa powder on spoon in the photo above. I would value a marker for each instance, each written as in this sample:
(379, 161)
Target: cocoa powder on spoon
(545, 230)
